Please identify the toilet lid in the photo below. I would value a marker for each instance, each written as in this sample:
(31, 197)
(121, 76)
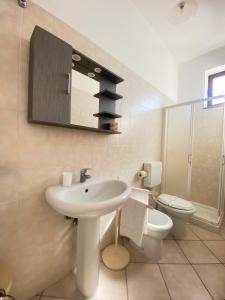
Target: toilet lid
(175, 202)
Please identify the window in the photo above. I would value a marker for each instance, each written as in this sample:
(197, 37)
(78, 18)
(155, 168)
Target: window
(216, 87)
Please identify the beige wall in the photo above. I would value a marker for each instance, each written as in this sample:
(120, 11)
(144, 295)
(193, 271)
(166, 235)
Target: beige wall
(36, 241)
(192, 74)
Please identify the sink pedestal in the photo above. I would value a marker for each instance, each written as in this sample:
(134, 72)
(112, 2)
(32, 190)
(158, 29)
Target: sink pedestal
(87, 255)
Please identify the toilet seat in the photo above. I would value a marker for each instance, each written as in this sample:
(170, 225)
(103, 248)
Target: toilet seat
(175, 202)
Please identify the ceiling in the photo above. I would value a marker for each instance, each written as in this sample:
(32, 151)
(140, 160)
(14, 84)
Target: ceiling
(120, 29)
(138, 33)
(200, 34)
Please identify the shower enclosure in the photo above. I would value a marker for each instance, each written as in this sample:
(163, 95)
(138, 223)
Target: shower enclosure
(194, 157)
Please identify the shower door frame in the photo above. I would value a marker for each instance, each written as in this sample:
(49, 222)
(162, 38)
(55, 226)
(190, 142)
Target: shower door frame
(221, 200)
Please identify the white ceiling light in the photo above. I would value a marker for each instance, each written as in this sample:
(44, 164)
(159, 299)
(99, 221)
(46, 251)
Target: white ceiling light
(182, 11)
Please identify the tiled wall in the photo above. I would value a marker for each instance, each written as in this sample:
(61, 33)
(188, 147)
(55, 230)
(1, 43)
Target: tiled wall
(36, 241)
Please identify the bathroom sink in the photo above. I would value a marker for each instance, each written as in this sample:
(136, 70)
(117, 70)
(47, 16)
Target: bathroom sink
(88, 201)
(95, 197)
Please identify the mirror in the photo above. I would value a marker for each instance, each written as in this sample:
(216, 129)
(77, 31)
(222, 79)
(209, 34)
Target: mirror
(83, 103)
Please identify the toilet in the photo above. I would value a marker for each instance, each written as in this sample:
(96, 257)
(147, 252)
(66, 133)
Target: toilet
(158, 227)
(180, 210)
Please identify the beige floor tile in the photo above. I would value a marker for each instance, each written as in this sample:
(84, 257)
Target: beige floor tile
(145, 282)
(213, 277)
(222, 231)
(171, 254)
(189, 236)
(135, 255)
(205, 234)
(65, 288)
(197, 252)
(218, 248)
(183, 283)
(169, 236)
(112, 285)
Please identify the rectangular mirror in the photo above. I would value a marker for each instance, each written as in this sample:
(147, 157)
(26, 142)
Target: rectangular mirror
(83, 104)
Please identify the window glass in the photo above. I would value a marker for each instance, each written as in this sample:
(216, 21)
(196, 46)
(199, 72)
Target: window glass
(216, 87)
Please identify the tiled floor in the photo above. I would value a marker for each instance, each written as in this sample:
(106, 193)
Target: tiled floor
(191, 269)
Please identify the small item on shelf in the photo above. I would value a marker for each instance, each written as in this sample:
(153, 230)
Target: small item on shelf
(67, 178)
(113, 126)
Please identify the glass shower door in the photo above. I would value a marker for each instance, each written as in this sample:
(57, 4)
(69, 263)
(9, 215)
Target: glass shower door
(177, 151)
(207, 154)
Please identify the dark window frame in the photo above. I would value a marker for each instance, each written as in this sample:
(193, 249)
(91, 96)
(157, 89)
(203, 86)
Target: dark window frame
(210, 88)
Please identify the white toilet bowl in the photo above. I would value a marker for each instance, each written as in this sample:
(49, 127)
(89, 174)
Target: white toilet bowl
(158, 226)
(179, 210)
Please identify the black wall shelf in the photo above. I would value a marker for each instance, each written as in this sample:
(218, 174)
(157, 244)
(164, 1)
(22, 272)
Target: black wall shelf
(108, 94)
(73, 126)
(91, 65)
(107, 115)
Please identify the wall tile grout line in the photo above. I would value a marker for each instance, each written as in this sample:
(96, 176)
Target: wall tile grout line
(195, 271)
(127, 280)
(202, 281)
(181, 264)
(164, 281)
(182, 252)
(41, 294)
(58, 297)
(212, 251)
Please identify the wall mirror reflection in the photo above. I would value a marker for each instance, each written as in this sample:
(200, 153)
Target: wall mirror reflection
(83, 103)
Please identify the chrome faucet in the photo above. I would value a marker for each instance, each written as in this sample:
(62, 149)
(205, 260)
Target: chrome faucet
(84, 175)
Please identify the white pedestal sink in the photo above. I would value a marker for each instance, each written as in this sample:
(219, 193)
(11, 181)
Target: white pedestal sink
(88, 201)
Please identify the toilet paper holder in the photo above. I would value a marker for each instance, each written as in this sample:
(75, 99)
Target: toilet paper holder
(142, 174)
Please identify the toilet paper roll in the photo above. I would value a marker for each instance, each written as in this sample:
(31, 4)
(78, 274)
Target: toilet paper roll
(142, 174)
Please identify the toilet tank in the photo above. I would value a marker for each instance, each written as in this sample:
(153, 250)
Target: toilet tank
(154, 174)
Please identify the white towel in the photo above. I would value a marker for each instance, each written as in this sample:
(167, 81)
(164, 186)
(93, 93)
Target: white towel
(134, 216)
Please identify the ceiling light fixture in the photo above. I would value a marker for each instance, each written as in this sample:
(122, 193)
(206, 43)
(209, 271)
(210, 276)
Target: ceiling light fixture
(76, 57)
(182, 11)
(91, 75)
(97, 70)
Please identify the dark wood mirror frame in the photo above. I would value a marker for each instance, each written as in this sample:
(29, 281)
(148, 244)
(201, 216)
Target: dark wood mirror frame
(49, 96)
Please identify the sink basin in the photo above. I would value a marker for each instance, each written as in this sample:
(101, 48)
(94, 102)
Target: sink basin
(88, 201)
(93, 198)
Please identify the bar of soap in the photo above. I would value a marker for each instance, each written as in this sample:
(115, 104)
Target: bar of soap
(113, 126)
